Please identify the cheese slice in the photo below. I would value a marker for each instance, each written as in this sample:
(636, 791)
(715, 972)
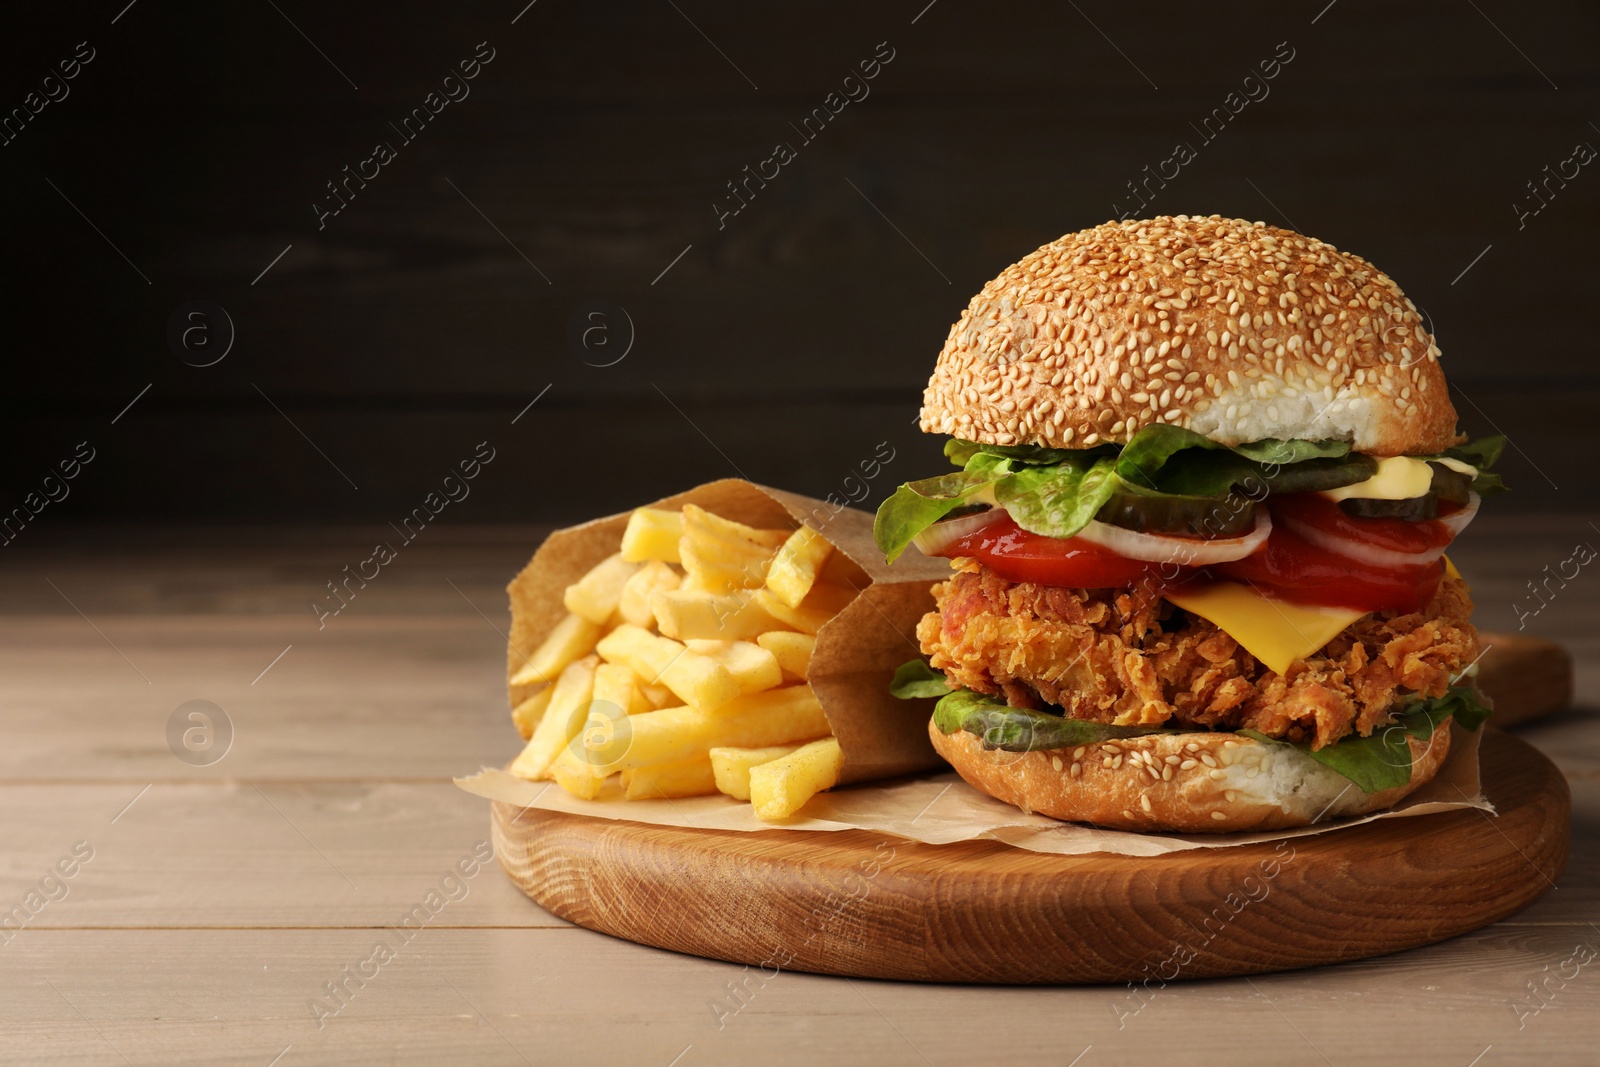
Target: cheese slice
(1275, 632)
(1398, 478)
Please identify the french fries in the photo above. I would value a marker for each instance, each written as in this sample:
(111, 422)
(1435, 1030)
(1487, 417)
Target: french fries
(731, 766)
(697, 680)
(561, 719)
(652, 534)
(687, 614)
(781, 788)
(794, 569)
(681, 667)
(752, 667)
(776, 717)
(596, 595)
(686, 778)
(573, 638)
(635, 605)
(526, 715)
(617, 686)
(792, 651)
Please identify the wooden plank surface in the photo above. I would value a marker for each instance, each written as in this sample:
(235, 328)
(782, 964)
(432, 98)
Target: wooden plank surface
(215, 907)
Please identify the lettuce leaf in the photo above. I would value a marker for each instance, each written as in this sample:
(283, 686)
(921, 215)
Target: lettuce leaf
(1057, 501)
(916, 506)
(961, 452)
(1380, 761)
(1018, 729)
(1482, 454)
(1383, 759)
(917, 679)
(1055, 492)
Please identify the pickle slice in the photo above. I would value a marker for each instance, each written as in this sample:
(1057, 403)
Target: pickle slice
(1169, 513)
(1447, 484)
(1412, 509)
(1450, 485)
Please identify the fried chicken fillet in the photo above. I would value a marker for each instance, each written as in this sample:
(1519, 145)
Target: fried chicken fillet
(1129, 658)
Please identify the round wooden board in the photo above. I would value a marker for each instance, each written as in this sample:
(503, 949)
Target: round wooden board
(868, 905)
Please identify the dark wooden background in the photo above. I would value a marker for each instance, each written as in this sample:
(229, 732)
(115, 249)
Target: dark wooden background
(379, 351)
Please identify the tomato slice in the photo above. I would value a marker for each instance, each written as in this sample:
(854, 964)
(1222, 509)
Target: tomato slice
(1287, 567)
(1395, 535)
(1291, 568)
(1019, 556)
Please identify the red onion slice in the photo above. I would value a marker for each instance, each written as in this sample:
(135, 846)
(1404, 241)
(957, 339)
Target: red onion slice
(1183, 551)
(1384, 557)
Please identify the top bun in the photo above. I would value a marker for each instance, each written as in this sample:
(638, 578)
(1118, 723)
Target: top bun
(1237, 330)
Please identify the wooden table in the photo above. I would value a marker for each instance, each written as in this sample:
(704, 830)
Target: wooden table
(211, 909)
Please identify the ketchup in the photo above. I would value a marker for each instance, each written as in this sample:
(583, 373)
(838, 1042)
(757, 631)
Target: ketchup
(1291, 568)
(1395, 535)
(1019, 556)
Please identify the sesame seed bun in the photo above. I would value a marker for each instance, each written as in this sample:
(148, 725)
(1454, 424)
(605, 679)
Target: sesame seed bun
(1237, 330)
(1201, 782)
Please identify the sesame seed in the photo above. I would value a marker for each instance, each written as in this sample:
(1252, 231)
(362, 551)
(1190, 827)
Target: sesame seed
(1144, 801)
(1217, 815)
(1056, 327)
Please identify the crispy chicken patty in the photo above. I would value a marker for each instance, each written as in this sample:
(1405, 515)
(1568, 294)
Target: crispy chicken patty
(1128, 657)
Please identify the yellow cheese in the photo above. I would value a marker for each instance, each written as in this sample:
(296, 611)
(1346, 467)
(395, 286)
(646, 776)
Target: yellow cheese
(1450, 569)
(1275, 632)
(1398, 478)
(1457, 465)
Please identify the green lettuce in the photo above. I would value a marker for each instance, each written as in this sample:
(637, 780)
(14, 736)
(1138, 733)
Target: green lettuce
(1057, 501)
(1374, 763)
(1383, 759)
(916, 506)
(1482, 454)
(1055, 492)
(1018, 729)
(917, 679)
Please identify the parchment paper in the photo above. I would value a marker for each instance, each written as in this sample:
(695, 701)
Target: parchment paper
(941, 808)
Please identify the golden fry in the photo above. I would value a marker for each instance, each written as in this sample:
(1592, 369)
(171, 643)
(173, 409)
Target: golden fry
(795, 568)
(780, 788)
(792, 650)
(573, 638)
(561, 720)
(686, 778)
(596, 595)
(732, 766)
(652, 534)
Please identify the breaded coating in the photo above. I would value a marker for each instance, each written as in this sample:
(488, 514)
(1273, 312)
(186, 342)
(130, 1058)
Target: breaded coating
(1128, 657)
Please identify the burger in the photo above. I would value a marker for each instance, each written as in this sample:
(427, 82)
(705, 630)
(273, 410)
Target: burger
(1205, 474)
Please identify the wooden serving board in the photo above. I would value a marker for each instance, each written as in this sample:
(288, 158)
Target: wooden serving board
(1527, 678)
(863, 904)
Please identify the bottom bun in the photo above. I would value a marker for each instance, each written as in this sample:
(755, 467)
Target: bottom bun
(1201, 782)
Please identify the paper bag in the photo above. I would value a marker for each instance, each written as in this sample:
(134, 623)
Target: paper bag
(857, 651)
